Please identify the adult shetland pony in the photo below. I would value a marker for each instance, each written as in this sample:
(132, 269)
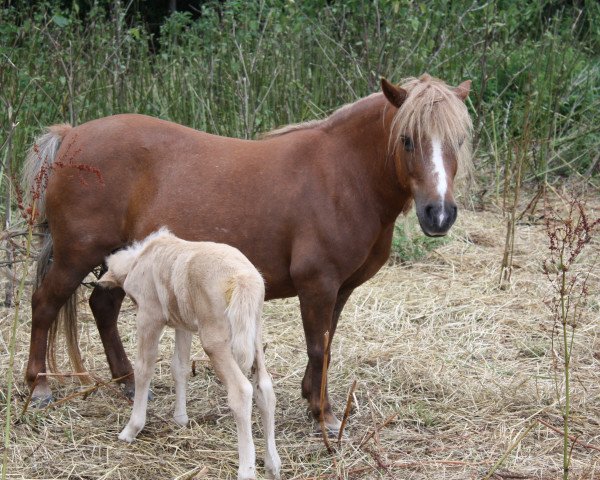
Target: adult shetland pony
(311, 205)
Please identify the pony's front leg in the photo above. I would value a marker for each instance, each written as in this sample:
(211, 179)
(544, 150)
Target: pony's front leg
(318, 295)
(179, 370)
(148, 333)
(265, 400)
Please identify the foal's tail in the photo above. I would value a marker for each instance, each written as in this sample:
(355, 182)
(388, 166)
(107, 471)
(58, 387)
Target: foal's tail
(244, 313)
(36, 170)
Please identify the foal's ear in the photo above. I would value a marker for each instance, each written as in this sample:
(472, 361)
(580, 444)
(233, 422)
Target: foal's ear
(395, 95)
(463, 90)
(108, 280)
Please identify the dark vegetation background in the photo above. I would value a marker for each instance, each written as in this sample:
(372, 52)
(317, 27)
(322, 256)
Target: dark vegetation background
(239, 68)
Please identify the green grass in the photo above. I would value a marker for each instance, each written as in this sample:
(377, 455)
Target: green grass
(409, 244)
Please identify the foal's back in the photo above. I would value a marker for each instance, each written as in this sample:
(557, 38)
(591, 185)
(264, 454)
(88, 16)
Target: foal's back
(194, 281)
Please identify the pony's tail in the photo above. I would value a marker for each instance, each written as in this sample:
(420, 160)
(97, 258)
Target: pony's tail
(67, 317)
(38, 166)
(247, 293)
(36, 171)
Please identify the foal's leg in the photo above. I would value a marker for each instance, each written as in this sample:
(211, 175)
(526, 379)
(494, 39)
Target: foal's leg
(239, 394)
(265, 400)
(105, 305)
(148, 335)
(179, 369)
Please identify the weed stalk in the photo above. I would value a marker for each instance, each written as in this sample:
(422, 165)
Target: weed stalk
(568, 235)
(12, 345)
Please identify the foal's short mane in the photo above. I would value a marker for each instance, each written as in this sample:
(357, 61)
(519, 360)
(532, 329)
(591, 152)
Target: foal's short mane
(431, 106)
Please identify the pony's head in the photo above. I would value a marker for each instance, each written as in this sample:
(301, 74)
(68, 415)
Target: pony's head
(430, 138)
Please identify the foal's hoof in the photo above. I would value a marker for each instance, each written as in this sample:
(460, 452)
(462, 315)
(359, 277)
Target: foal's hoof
(126, 437)
(273, 467)
(181, 420)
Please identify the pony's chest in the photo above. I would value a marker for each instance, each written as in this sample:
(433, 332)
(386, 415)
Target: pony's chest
(375, 259)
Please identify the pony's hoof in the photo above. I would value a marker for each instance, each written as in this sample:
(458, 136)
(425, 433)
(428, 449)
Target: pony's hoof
(129, 391)
(332, 432)
(41, 401)
(332, 427)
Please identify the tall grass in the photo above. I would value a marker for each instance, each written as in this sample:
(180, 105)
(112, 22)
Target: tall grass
(245, 67)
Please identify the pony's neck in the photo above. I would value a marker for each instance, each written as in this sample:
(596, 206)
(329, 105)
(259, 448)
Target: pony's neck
(366, 126)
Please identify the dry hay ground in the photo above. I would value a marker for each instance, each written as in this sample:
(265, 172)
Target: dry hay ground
(464, 365)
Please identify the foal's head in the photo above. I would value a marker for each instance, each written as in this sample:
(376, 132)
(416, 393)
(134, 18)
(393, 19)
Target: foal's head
(430, 136)
(120, 263)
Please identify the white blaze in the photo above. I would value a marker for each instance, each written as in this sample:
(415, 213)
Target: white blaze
(439, 172)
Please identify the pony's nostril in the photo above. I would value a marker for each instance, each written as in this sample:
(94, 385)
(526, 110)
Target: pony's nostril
(453, 212)
(429, 213)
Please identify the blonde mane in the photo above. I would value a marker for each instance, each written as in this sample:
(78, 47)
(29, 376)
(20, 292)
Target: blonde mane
(340, 112)
(433, 107)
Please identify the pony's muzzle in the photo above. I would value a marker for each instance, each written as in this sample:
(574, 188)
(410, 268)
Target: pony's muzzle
(437, 218)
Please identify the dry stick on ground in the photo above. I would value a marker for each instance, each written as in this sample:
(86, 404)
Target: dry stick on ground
(375, 431)
(386, 422)
(85, 392)
(424, 463)
(40, 375)
(347, 411)
(352, 471)
(573, 438)
(323, 384)
(112, 388)
(510, 449)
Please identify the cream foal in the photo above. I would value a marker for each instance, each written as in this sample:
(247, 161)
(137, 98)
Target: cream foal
(213, 290)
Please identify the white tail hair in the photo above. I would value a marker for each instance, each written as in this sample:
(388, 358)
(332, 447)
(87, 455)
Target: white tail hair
(38, 165)
(244, 313)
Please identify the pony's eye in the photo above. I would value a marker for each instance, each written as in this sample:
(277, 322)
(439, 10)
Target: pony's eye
(461, 141)
(408, 144)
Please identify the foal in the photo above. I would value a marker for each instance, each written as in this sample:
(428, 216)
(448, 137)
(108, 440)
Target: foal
(207, 288)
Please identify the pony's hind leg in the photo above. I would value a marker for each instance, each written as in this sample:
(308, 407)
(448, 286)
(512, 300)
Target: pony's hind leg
(148, 330)
(179, 370)
(105, 305)
(60, 282)
(239, 396)
(265, 400)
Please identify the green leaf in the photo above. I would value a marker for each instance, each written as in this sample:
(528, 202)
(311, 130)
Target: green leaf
(60, 20)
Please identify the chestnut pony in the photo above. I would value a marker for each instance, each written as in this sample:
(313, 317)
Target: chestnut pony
(311, 205)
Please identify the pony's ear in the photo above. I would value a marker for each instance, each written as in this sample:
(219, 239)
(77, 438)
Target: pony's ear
(463, 90)
(395, 95)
